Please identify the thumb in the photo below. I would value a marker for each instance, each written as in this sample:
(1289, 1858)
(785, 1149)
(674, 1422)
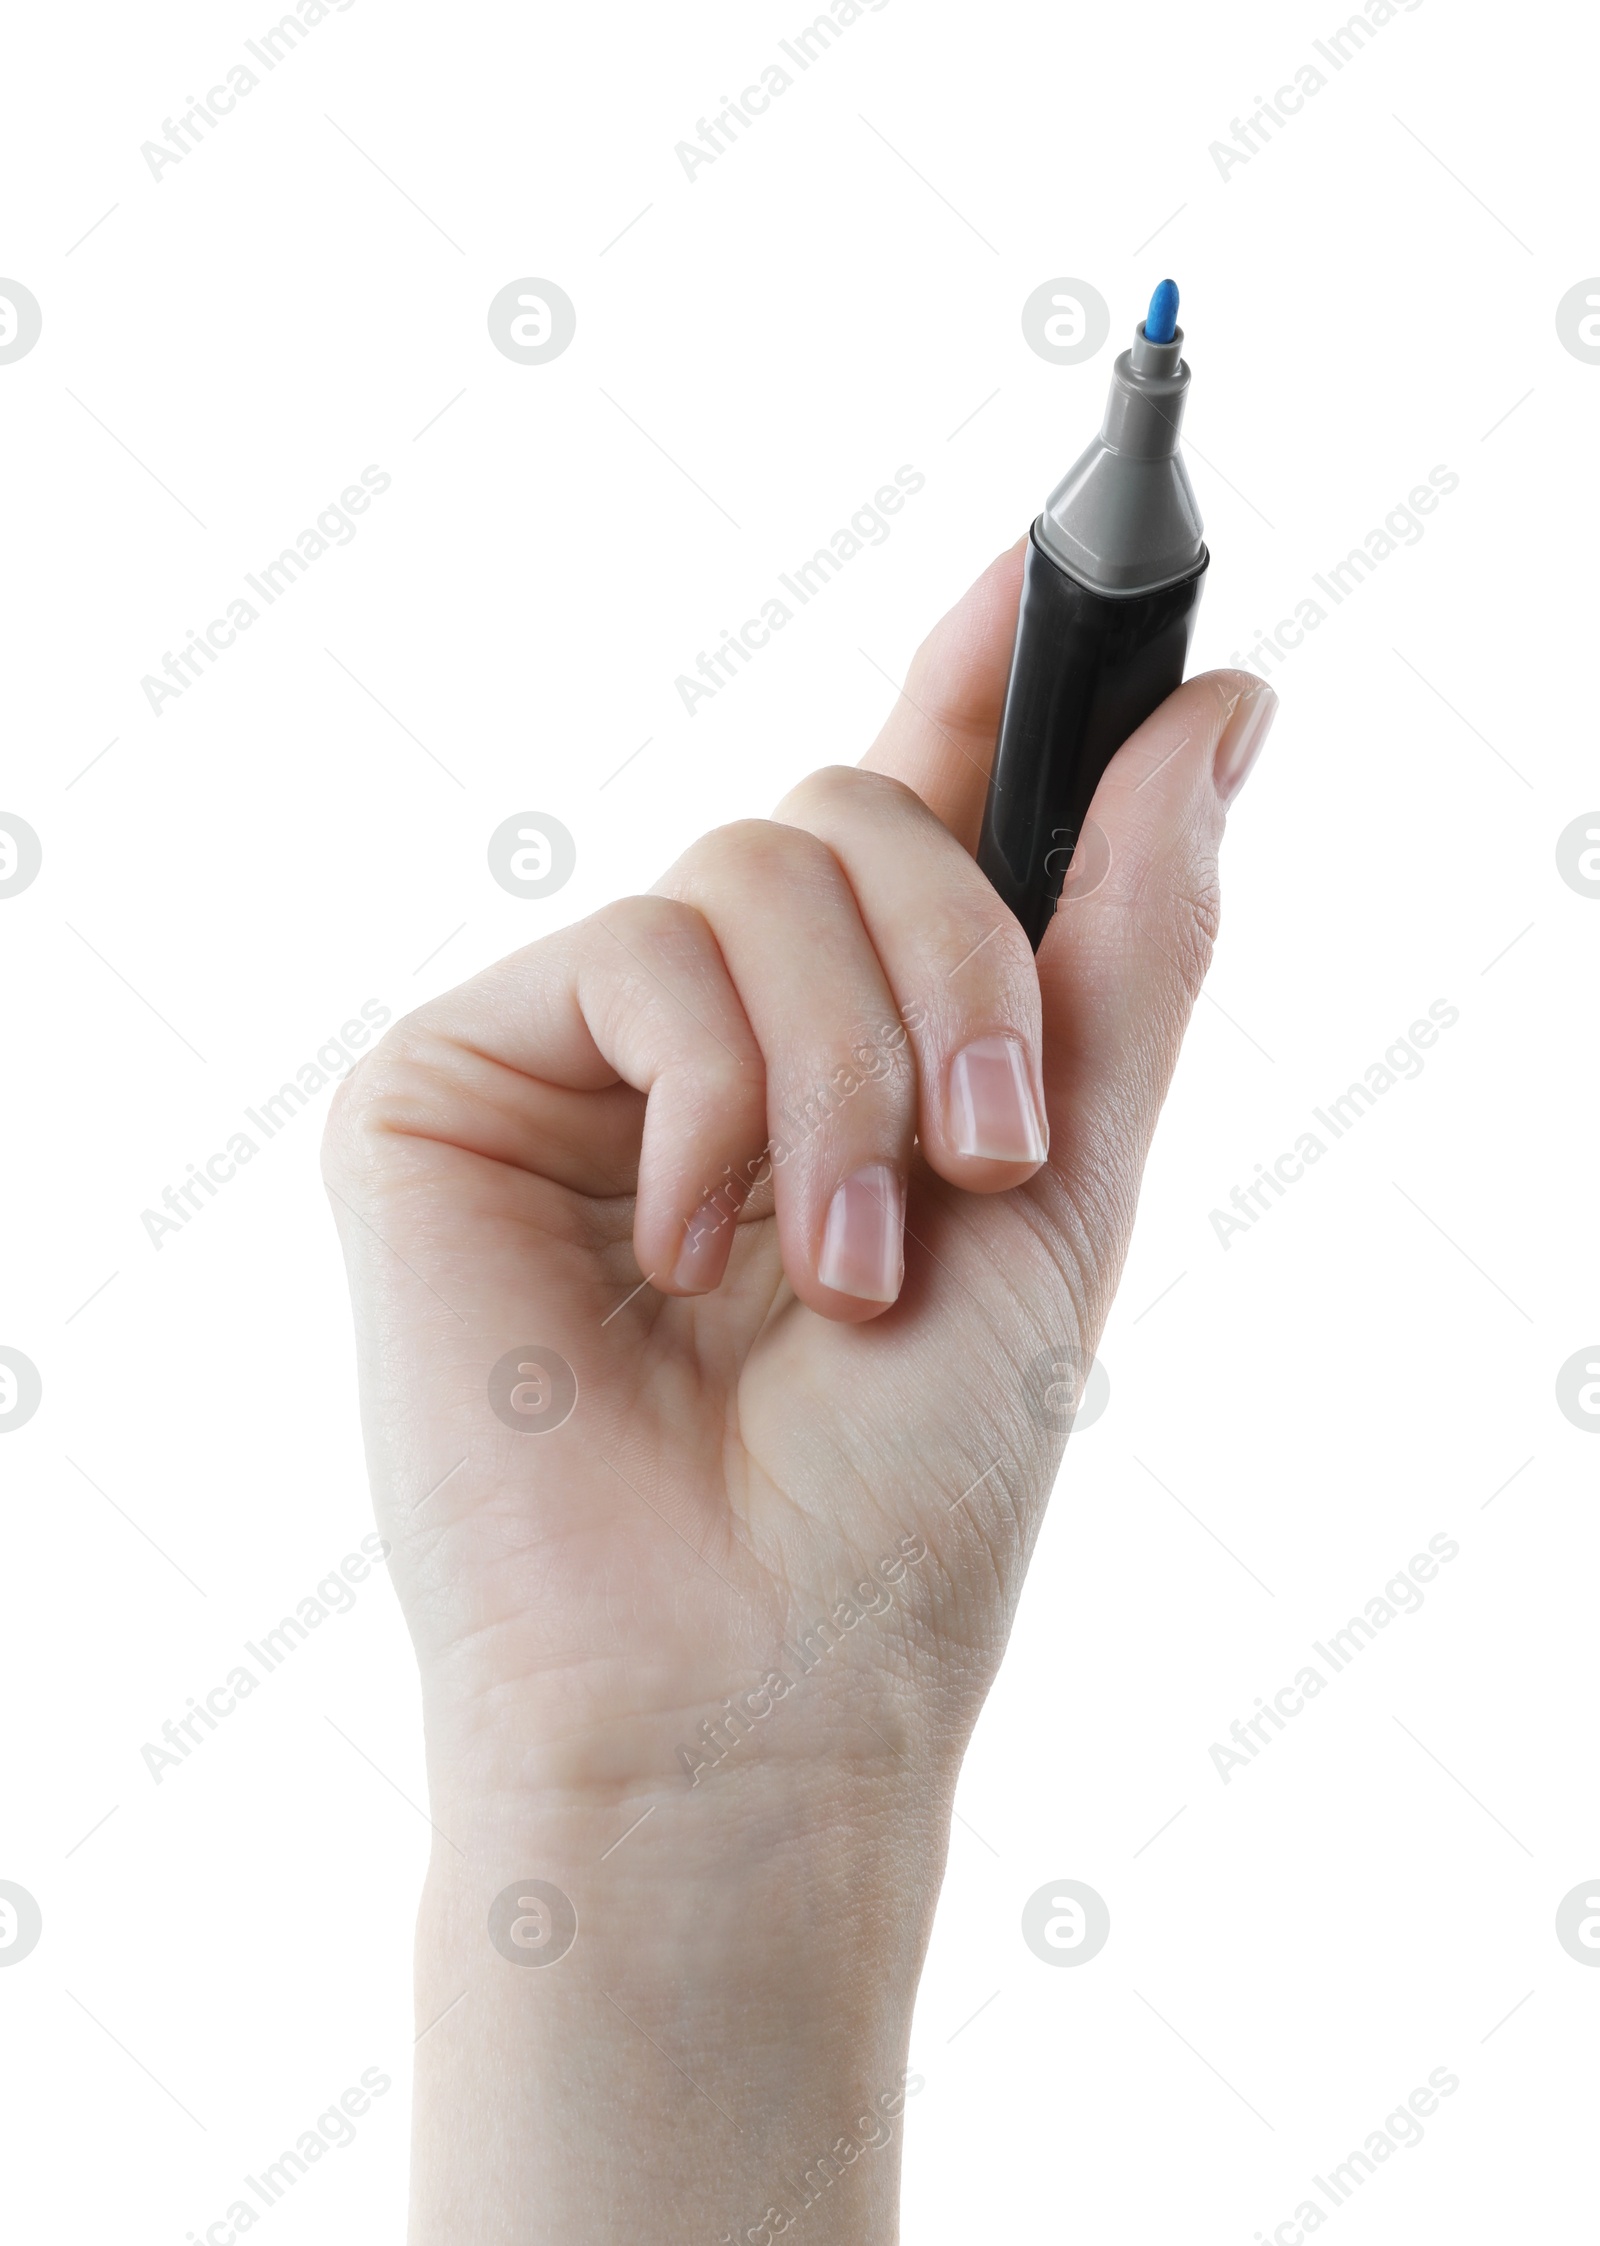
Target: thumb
(1125, 955)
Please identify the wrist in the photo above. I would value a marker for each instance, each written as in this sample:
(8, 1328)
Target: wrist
(743, 1882)
(720, 1978)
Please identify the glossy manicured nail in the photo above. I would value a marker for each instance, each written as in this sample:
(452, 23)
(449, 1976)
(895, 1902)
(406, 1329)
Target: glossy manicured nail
(707, 1242)
(863, 1252)
(992, 1106)
(1242, 740)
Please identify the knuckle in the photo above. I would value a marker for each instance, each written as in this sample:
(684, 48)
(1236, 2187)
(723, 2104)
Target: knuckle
(881, 1054)
(387, 1095)
(819, 791)
(758, 853)
(655, 923)
(837, 790)
(648, 950)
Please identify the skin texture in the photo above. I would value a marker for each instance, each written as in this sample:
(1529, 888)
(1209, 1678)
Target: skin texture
(721, 2051)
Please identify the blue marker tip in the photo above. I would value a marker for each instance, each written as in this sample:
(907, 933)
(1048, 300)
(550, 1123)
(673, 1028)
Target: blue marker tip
(1161, 321)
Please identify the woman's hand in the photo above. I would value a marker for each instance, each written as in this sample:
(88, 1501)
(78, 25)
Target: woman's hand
(817, 1187)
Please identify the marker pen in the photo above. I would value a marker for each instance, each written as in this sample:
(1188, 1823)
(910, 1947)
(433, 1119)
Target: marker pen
(1109, 593)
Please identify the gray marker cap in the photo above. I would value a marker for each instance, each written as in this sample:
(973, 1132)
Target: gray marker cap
(1124, 518)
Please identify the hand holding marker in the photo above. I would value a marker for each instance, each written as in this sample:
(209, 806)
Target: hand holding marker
(1109, 593)
(634, 1141)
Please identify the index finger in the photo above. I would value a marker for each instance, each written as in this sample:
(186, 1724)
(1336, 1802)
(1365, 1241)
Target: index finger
(939, 738)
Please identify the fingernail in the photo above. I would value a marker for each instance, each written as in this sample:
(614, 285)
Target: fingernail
(863, 1251)
(1242, 740)
(707, 1242)
(992, 1102)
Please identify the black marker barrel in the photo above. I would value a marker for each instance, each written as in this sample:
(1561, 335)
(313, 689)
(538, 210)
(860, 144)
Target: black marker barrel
(1110, 589)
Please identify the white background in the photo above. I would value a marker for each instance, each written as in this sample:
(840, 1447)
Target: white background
(1291, 1417)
